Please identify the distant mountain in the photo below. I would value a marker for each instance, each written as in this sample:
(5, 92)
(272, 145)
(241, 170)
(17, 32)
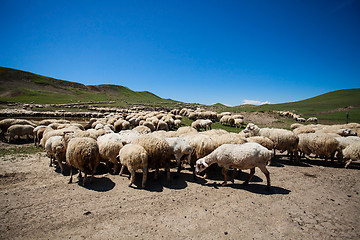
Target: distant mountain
(26, 87)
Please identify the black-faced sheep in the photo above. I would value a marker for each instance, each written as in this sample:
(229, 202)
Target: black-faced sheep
(238, 156)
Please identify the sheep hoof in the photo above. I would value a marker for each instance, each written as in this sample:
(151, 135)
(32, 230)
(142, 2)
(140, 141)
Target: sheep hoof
(245, 183)
(224, 184)
(130, 184)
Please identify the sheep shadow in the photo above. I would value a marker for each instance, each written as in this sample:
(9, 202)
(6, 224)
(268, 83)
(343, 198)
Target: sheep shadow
(102, 184)
(329, 163)
(260, 189)
(251, 187)
(312, 161)
(280, 162)
(214, 173)
(178, 181)
(100, 170)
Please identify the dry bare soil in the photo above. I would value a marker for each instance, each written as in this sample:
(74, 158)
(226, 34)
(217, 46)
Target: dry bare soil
(311, 200)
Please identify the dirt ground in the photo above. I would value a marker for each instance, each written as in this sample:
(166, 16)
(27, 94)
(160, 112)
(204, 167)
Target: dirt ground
(311, 200)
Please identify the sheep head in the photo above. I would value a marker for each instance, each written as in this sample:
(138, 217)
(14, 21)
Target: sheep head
(252, 130)
(201, 165)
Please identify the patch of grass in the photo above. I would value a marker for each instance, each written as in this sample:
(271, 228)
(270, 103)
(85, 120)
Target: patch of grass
(19, 150)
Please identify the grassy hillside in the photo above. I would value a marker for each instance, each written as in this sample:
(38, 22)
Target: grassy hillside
(26, 87)
(329, 107)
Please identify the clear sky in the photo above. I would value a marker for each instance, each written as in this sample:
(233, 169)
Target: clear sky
(192, 51)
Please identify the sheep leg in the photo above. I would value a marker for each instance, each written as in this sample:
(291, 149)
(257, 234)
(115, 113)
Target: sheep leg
(252, 172)
(156, 173)
(71, 174)
(116, 167)
(84, 180)
(79, 176)
(92, 176)
(348, 163)
(233, 175)
(51, 161)
(297, 158)
(267, 174)
(225, 173)
(167, 169)
(193, 170)
(332, 156)
(178, 161)
(61, 166)
(144, 176)
(122, 170)
(132, 176)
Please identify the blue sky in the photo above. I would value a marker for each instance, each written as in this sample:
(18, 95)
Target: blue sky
(192, 51)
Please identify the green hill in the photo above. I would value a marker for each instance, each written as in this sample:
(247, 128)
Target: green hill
(329, 107)
(26, 87)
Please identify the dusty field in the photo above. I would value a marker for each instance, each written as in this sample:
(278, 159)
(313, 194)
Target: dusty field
(314, 200)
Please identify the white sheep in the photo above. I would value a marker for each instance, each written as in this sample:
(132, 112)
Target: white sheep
(263, 141)
(185, 130)
(150, 125)
(352, 152)
(312, 119)
(127, 136)
(134, 157)
(83, 154)
(109, 147)
(55, 149)
(202, 145)
(162, 125)
(238, 122)
(320, 144)
(284, 140)
(37, 132)
(238, 156)
(49, 132)
(179, 148)
(158, 152)
(202, 124)
(142, 129)
(6, 123)
(20, 130)
(177, 123)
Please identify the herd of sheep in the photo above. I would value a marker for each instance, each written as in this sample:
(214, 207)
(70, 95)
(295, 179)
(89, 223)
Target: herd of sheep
(151, 140)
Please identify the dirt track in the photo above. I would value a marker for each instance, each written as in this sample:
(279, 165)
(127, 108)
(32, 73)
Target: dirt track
(315, 200)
